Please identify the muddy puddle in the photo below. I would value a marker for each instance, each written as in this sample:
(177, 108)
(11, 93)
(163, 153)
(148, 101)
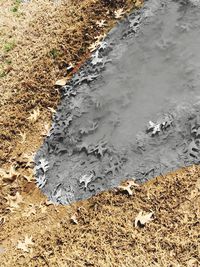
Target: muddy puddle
(133, 110)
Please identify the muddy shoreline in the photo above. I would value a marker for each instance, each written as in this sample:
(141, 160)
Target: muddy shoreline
(132, 111)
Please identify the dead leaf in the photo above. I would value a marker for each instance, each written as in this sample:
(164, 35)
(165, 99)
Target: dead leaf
(23, 136)
(29, 178)
(34, 115)
(97, 43)
(62, 82)
(154, 127)
(30, 159)
(101, 23)
(30, 211)
(49, 202)
(74, 219)
(43, 164)
(100, 37)
(94, 46)
(9, 175)
(14, 201)
(86, 179)
(128, 187)
(96, 59)
(41, 180)
(43, 208)
(46, 129)
(143, 218)
(25, 244)
(119, 13)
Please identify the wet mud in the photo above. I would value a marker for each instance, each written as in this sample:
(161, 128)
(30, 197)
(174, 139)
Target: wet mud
(132, 111)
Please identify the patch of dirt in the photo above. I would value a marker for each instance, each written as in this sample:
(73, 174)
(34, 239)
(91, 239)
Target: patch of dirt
(48, 35)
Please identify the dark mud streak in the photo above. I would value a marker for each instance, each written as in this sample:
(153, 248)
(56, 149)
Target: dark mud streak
(132, 110)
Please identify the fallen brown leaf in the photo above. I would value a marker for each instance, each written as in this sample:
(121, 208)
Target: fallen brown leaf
(49, 202)
(29, 158)
(101, 23)
(14, 201)
(25, 244)
(94, 46)
(43, 208)
(143, 218)
(119, 13)
(74, 219)
(9, 175)
(97, 43)
(31, 210)
(34, 115)
(46, 129)
(29, 178)
(62, 81)
(128, 187)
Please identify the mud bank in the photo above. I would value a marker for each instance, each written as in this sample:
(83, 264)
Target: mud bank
(133, 109)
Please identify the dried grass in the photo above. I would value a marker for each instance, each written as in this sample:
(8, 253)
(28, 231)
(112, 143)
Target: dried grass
(105, 234)
(47, 36)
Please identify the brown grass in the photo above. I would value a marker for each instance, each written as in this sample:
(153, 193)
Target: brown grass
(36, 41)
(105, 234)
(46, 35)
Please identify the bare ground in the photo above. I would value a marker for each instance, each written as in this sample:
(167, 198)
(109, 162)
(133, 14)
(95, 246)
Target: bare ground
(37, 40)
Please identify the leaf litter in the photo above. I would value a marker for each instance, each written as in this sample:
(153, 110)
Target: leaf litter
(102, 223)
(25, 245)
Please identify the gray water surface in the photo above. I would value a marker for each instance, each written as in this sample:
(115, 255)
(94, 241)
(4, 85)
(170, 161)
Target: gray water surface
(133, 109)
